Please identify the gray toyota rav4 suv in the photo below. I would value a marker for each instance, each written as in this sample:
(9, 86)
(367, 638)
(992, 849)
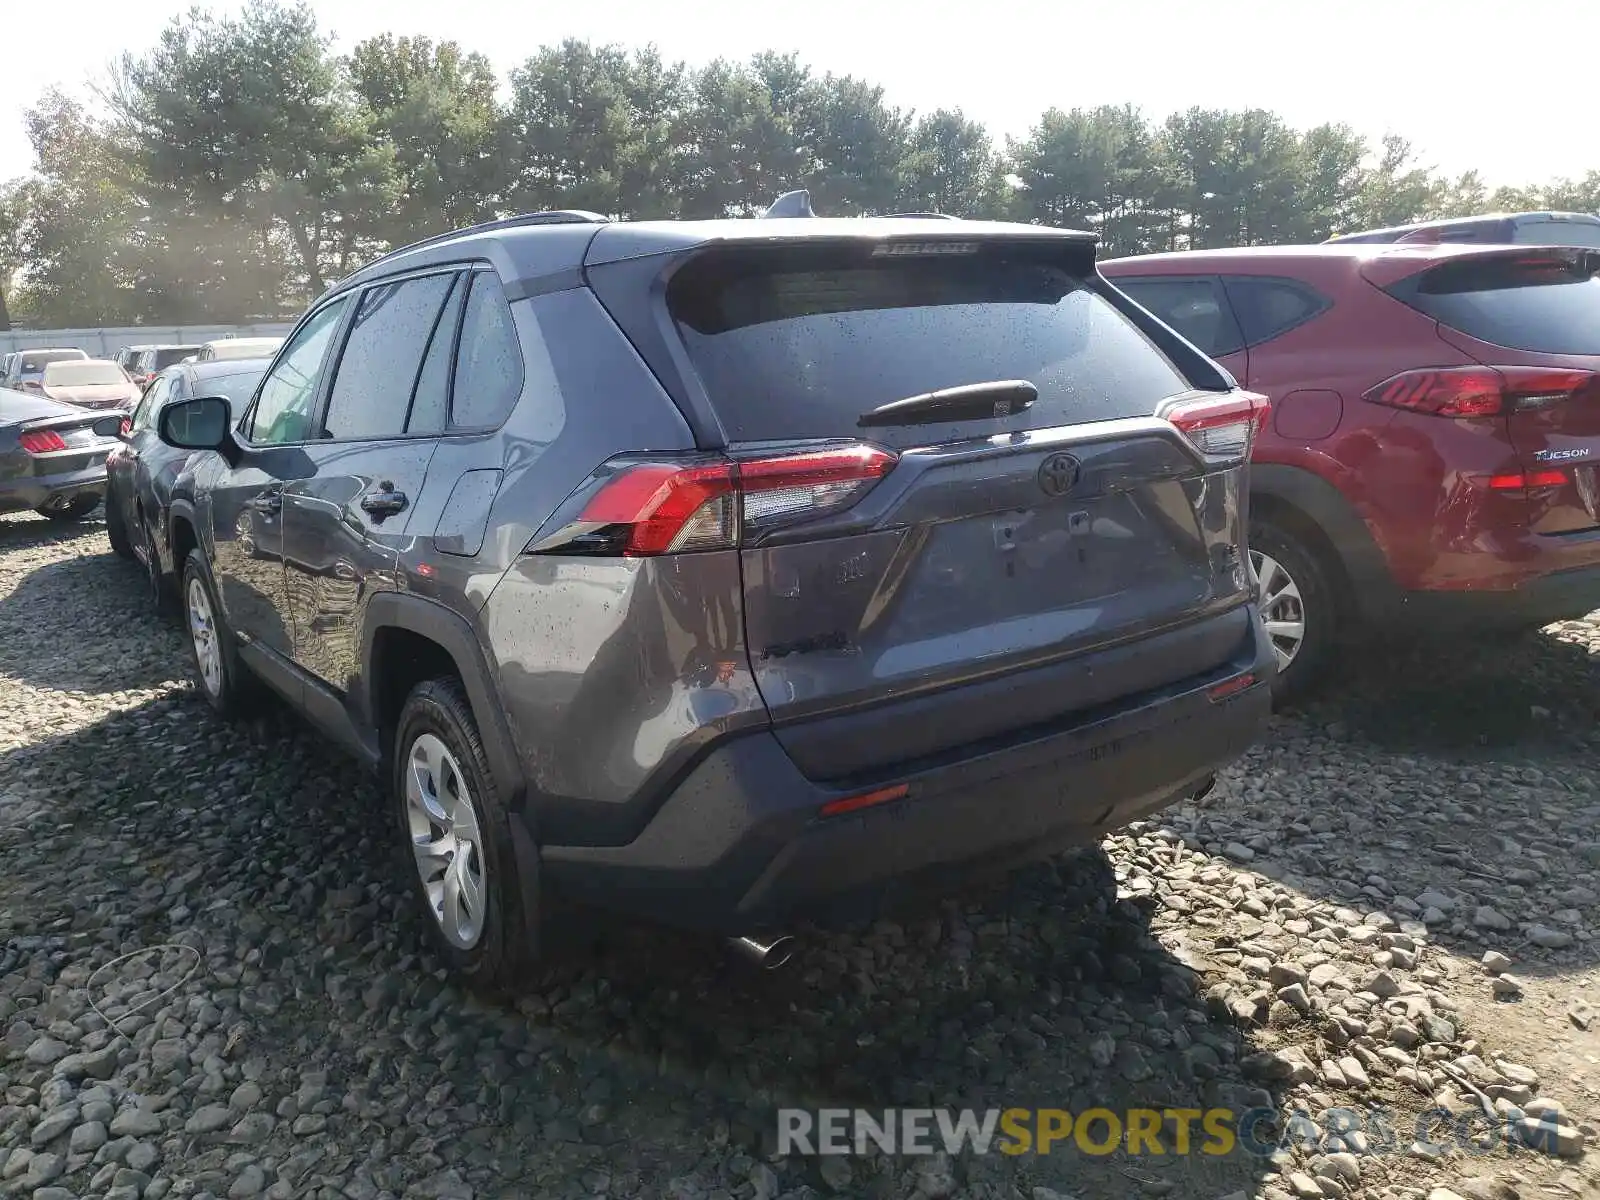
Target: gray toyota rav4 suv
(731, 573)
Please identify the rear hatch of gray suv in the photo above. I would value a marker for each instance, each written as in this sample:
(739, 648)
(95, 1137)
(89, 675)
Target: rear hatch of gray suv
(970, 493)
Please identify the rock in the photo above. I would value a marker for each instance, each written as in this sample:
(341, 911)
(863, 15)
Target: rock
(1494, 963)
(1285, 973)
(1295, 997)
(446, 1185)
(208, 1119)
(1506, 987)
(1382, 985)
(136, 1122)
(1488, 918)
(834, 1170)
(1344, 1167)
(45, 1050)
(1580, 1014)
(1354, 1072)
(1550, 939)
(1305, 1186)
(253, 1129)
(53, 1124)
(1563, 1140)
(1239, 852)
(246, 1096)
(87, 1138)
(1443, 1193)
(90, 1064)
(42, 1169)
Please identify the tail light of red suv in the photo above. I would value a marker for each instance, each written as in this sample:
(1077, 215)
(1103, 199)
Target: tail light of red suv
(1470, 393)
(1480, 391)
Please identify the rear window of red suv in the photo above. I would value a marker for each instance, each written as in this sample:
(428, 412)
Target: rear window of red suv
(1547, 305)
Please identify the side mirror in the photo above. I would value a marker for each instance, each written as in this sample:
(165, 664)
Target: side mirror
(109, 427)
(198, 424)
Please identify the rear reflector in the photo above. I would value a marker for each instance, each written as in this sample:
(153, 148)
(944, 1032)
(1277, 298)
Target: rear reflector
(1479, 391)
(42, 441)
(1522, 480)
(649, 508)
(1231, 687)
(849, 804)
(1221, 427)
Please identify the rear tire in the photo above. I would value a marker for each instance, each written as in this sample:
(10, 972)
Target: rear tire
(221, 678)
(75, 509)
(456, 837)
(117, 529)
(1299, 607)
(157, 585)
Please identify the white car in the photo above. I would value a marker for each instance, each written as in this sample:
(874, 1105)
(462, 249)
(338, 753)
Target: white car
(231, 348)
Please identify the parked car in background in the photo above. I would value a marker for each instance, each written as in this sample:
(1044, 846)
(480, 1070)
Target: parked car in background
(1526, 229)
(732, 571)
(234, 348)
(1433, 459)
(89, 383)
(52, 456)
(141, 470)
(143, 362)
(25, 372)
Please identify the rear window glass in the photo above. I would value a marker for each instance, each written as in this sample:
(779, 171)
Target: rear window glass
(798, 343)
(1558, 233)
(83, 374)
(38, 360)
(1267, 308)
(1547, 305)
(161, 359)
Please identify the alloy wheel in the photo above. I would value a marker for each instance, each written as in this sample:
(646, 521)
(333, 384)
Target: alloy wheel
(203, 631)
(443, 825)
(1282, 609)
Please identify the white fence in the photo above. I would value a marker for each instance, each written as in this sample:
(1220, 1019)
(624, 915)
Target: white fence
(103, 343)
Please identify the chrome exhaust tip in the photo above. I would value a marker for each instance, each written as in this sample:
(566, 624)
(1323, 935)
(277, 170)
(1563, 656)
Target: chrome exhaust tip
(769, 956)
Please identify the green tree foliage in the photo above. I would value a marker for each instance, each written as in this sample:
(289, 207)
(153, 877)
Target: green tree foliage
(238, 166)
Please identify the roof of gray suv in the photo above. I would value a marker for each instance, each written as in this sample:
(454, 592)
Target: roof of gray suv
(539, 245)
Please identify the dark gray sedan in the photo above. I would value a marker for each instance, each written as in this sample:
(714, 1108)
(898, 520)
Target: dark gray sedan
(52, 456)
(142, 469)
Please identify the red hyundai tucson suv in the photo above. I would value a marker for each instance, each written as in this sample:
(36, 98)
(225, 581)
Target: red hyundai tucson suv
(1433, 458)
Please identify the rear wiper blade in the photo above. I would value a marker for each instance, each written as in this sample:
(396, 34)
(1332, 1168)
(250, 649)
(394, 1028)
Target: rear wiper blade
(969, 402)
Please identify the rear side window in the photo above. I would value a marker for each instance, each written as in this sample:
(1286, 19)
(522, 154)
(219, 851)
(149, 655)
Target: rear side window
(1195, 307)
(430, 401)
(1558, 233)
(489, 359)
(1548, 305)
(382, 354)
(799, 342)
(1269, 308)
(161, 359)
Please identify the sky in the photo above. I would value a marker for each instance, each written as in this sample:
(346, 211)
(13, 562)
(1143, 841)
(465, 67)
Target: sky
(1472, 85)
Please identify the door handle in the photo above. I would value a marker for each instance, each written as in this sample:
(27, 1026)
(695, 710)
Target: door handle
(271, 502)
(384, 503)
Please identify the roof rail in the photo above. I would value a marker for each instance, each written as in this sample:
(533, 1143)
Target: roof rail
(557, 216)
(924, 216)
(791, 204)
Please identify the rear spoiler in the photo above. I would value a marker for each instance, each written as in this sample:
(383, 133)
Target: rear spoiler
(1386, 270)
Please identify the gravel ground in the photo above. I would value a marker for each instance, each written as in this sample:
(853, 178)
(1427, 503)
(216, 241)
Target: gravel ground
(1392, 902)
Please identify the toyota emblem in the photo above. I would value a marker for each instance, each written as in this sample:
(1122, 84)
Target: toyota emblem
(1058, 474)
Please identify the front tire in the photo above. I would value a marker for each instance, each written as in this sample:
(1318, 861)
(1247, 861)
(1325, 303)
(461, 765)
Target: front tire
(1298, 606)
(75, 509)
(457, 839)
(220, 676)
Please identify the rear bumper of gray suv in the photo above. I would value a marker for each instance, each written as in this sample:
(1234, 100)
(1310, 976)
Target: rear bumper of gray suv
(741, 845)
